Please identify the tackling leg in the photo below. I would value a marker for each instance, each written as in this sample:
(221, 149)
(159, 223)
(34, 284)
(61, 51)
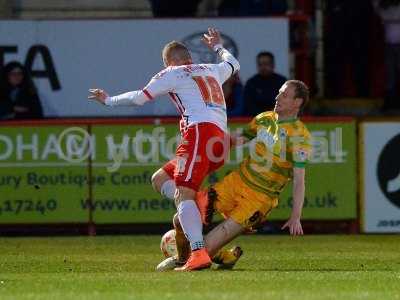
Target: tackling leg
(222, 235)
(182, 244)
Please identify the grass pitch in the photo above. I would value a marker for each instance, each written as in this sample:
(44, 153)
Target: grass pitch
(272, 267)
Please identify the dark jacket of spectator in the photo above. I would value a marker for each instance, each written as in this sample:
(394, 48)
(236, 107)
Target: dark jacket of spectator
(261, 89)
(18, 95)
(233, 92)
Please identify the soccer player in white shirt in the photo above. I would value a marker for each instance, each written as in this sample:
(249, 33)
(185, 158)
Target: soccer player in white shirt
(196, 91)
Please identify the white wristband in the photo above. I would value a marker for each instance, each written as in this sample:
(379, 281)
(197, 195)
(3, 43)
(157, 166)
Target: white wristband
(108, 101)
(217, 47)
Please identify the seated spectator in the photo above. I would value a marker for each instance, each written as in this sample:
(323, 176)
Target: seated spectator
(18, 95)
(233, 92)
(261, 89)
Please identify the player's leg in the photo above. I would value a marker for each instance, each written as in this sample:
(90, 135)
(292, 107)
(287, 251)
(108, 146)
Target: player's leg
(214, 240)
(182, 247)
(222, 193)
(190, 220)
(243, 209)
(188, 213)
(225, 258)
(182, 244)
(222, 197)
(222, 235)
(192, 166)
(163, 180)
(203, 143)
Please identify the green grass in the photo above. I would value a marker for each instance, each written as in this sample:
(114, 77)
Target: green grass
(273, 267)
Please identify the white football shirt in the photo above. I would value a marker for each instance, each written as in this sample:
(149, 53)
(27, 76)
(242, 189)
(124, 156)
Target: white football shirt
(196, 91)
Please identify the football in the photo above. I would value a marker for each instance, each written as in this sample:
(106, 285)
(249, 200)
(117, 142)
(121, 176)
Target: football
(168, 244)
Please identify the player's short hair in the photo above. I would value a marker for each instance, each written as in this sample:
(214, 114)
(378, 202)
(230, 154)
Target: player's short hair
(301, 91)
(176, 51)
(267, 54)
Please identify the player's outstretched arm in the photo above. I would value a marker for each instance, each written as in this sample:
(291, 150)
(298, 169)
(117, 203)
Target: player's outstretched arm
(213, 40)
(129, 98)
(98, 95)
(294, 223)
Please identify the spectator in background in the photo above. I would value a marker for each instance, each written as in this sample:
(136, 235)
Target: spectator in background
(233, 92)
(389, 11)
(261, 89)
(18, 95)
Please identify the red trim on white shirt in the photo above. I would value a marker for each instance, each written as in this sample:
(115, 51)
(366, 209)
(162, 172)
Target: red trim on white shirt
(194, 155)
(146, 92)
(178, 104)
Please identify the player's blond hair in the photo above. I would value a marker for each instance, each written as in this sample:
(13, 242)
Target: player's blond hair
(301, 91)
(176, 52)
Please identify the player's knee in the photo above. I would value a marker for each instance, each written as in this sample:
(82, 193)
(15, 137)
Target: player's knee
(178, 197)
(183, 194)
(157, 180)
(154, 182)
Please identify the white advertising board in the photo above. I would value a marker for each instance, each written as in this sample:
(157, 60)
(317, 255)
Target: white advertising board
(67, 58)
(380, 194)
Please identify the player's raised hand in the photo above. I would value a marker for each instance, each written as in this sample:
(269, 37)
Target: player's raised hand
(98, 95)
(212, 38)
(294, 226)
